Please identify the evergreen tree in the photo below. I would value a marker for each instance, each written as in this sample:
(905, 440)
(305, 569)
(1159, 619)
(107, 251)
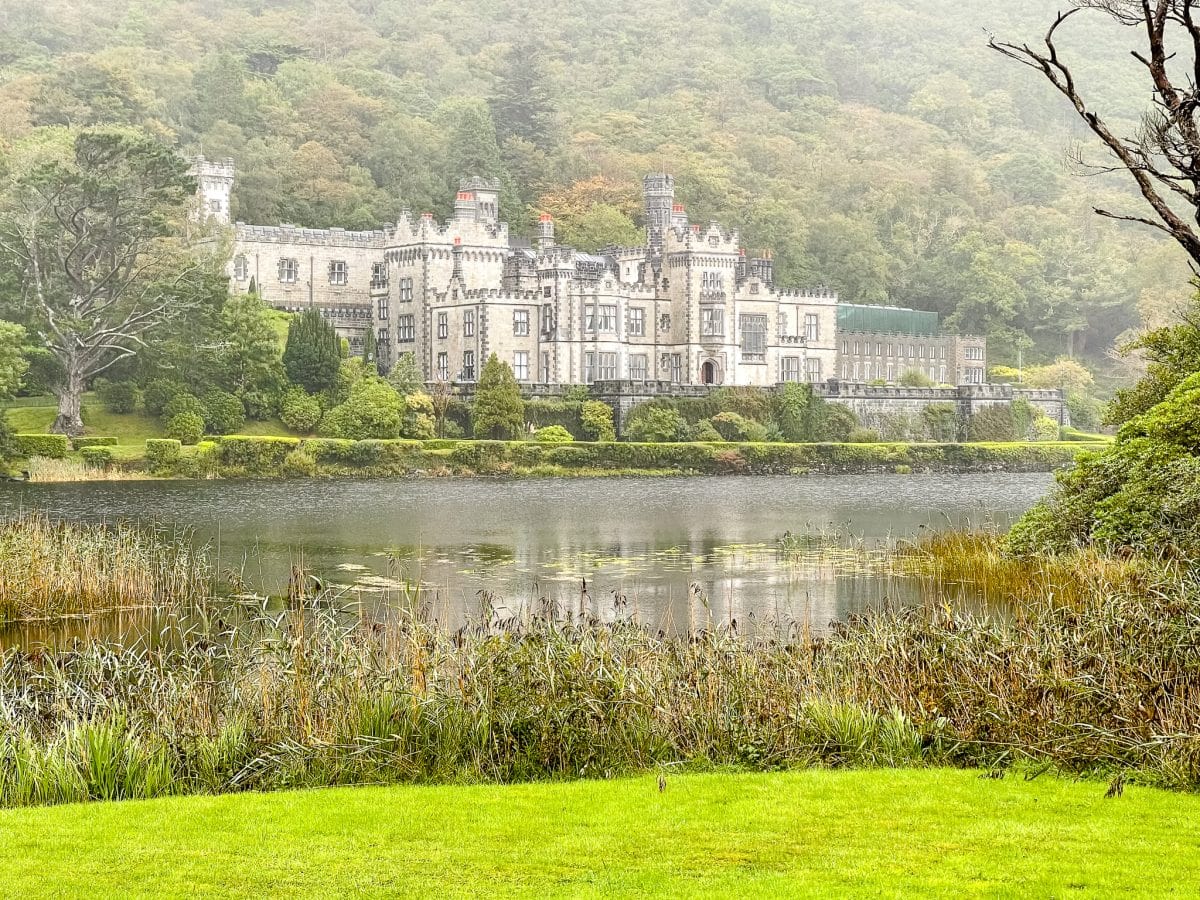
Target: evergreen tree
(522, 104)
(371, 348)
(249, 358)
(313, 353)
(499, 411)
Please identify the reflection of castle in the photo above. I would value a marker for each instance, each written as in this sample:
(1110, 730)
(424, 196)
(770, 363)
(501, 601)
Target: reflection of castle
(690, 307)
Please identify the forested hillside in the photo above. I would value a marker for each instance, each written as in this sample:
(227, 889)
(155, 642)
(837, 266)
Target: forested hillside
(877, 145)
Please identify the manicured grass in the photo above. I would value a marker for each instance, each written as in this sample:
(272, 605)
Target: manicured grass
(813, 833)
(131, 431)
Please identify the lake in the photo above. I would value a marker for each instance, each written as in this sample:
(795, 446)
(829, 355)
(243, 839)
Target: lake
(671, 551)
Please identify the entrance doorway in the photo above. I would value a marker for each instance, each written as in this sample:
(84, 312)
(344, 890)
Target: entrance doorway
(708, 373)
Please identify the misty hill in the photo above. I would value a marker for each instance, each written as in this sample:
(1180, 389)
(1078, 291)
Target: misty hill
(877, 146)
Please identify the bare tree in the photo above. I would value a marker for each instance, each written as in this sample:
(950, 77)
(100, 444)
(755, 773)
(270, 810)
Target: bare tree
(96, 234)
(1163, 155)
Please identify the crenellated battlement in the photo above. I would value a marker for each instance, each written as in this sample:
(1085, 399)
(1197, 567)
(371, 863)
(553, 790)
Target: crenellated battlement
(820, 293)
(320, 237)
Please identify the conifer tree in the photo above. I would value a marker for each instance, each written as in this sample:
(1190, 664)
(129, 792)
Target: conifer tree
(370, 347)
(499, 412)
(313, 353)
(522, 104)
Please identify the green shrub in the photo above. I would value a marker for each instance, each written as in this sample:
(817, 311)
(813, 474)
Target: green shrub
(1044, 429)
(553, 434)
(159, 393)
(940, 422)
(162, 455)
(596, 417)
(566, 413)
(223, 412)
(82, 443)
(837, 423)
(299, 464)
(734, 427)
(705, 433)
(185, 427)
(50, 446)
(97, 457)
(260, 405)
(300, 412)
(862, 435)
(418, 422)
(915, 378)
(374, 410)
(655, 422)
(993, 423)
(255, 455)
(183, 403)
(121, 397)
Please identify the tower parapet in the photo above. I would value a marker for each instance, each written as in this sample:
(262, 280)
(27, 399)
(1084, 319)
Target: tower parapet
(214, 186)
(659, 194)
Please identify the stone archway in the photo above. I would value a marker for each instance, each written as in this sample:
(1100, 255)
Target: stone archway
(709, 373)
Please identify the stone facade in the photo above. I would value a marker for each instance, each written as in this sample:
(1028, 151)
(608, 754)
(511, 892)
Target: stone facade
(689, 308)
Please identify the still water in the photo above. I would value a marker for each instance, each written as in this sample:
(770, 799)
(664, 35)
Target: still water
(671, 551)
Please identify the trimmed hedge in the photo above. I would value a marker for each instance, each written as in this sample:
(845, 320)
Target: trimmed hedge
(50, 446)
(255, 455)
(82, 443)
(97, 457)
(291, 457)
(163, 455)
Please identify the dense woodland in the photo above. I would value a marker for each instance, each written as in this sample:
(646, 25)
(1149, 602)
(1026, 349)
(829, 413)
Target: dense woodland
(878, 147)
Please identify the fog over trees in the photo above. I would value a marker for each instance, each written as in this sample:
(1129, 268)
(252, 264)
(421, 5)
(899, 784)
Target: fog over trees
(878, 146)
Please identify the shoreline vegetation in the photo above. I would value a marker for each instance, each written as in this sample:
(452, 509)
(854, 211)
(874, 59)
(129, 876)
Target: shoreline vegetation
(54, 458)
(1083, 666)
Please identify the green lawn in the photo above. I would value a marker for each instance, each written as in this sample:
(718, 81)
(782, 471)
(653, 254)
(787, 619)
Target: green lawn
(131, 431)
(813, 833)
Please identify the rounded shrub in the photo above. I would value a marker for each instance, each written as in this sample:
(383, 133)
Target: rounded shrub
(706, 433)
(553, 434)
(223, 412)
(181, 403)
(97, 457)
(159, 393)
(300, 411)
(596, 417)
(734, 427)
(121, 397)
(185, 427)
(862, 435)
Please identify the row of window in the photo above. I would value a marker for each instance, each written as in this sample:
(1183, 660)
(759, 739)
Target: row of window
(520, 366)
(914, 351)
(867, 372)
(973, 353)
(789, 369)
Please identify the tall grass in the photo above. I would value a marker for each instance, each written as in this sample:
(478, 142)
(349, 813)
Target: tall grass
(50, 569)
(1109, 682)
(62, 471)
(976, 559)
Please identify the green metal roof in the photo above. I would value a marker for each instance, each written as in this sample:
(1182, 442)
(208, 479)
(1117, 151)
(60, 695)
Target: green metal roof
(887, 319)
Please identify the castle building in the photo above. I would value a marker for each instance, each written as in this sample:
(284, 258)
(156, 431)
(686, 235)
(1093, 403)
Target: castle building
(691, 307)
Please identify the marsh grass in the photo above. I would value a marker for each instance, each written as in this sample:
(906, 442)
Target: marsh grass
(50, 569)
(977, 559)
(63, 471)
(1107, 683)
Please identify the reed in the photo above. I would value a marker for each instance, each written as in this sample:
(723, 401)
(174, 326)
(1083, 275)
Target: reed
(64, 471)
(976, 559)
(1107, 683)
(50, 569)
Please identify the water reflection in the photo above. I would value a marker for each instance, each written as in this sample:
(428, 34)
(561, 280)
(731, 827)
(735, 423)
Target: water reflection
(673, 552)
